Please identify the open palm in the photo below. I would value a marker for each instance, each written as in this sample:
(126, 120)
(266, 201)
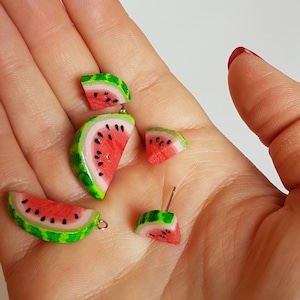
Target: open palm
(240, 235)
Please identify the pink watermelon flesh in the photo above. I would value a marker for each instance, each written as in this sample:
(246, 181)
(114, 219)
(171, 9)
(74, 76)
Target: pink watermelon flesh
(159, 225)
(50, 220)
(162, 144)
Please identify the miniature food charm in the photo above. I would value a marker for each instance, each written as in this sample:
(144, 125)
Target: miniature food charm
(49, 220)
(97, 148)
(104, 90)
(163, 143)
(159, 225)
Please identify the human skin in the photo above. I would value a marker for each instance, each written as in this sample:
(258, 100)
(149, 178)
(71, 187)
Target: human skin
(240, 234)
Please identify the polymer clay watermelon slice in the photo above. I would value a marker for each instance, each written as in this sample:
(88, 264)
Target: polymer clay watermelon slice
(97, 148)
(49, 220)
(163, 143)
(159, 225)
(104, 90)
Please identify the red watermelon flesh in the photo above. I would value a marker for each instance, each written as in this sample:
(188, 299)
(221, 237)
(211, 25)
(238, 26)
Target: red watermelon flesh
(50, 220)
(159, 225)
(162, 144)
(100, 98)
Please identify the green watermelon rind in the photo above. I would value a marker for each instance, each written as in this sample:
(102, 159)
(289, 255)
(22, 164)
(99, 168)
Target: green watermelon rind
(169, 132)
(77, 159)
(108, 78)
(48, 235)
(155, 216)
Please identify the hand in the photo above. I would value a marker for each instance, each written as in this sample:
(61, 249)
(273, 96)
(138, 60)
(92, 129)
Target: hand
(240, 235)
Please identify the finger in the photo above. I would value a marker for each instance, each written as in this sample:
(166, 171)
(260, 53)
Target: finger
(39, 123)
(57, 49)
(119, 47)
(268, 101)
(16, 174)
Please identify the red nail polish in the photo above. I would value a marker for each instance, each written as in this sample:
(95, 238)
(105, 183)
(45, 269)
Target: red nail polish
(236, 52)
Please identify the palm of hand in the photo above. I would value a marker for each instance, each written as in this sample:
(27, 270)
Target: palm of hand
(234, 226)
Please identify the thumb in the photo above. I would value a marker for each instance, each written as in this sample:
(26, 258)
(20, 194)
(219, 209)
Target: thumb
(269, 102)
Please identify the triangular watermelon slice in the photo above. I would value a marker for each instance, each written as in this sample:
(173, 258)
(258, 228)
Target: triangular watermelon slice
(163, 143)
(104, 90)
(159, 225)
(97, 148)
(49, 220)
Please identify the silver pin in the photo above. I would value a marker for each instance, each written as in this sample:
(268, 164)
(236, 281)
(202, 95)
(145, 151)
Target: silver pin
(171, 198)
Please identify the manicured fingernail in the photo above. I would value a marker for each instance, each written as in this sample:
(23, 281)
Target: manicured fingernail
(236, 52)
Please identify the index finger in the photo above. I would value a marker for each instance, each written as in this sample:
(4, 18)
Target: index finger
(119, 47)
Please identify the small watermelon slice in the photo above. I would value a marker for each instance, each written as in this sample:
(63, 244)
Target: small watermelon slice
(97, 148)
(49, 220)
(104, 90)
(163, 143)
(159, 225)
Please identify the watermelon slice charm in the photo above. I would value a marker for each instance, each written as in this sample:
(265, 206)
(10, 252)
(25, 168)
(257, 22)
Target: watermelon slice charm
(51, 221)
(104, 90)
(159, 225)
(162, 144)
(97, 148)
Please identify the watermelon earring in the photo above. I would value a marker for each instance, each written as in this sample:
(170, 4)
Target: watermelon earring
(162, 144)
(160, 225)
(52, 221)
(98, 145)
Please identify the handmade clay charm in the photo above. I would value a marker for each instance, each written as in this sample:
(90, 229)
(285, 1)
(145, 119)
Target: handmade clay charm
(104, 90)
(49, 220)
(163, 143)
(97, 148)
(160, 225)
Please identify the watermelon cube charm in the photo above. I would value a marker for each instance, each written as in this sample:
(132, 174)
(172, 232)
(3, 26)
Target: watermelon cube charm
(97, 148)
(104, 90)
(159, 225)
(162, 144)
(49, 220)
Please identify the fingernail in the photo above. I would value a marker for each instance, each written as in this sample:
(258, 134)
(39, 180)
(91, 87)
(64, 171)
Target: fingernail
(236, 52)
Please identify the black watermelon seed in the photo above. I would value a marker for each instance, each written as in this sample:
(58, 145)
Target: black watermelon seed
(28, 210)
(109, 136)
(52, 220)
(96, 156)
(76, 216)
(97, 141)
(101, 174)
(95, 95)
(115, 100)
(107, 126)
(163, 236)
(157, 139)
(108, 99)
(64, 221)
(122, 128)
(169, 142)
(100, 134)
(151, 234)
(37, 212)
(106, 93)
(43, 218)
(161, 143)
(117, 127)
(100, 163)
(99, 152)
(150, 142)
(25, 201)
